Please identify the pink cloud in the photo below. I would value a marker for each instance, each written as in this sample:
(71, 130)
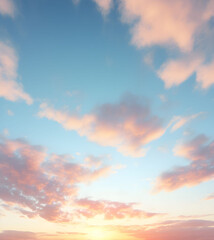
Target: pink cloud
(199, 151)
(128, 125)
(177, 23)
(104, 5)
(181, 121)
(110, 210)
(18, 235)
(172, 230)
(10, 88)
(35, 183)
(205, 75)
(210, 197)
(164, 22)
(24, 235)
(175, 72)
(7, 7)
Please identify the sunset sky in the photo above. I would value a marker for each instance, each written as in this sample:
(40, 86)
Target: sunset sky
(106, 119)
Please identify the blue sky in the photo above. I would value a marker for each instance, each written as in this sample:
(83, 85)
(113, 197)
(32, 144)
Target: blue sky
(113, 98)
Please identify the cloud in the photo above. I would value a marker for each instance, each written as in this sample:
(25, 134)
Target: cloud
(175, 72)
(199, 151)
(128, 125)
(210, 197)
(7, 7)
(169, 24)
(35, 183)
(164, 22)
(24, 235)
(10, 88)
(172, 230)
(104, 5)
(205, 75)
(18, 235)
(181, 121)
(111, 210)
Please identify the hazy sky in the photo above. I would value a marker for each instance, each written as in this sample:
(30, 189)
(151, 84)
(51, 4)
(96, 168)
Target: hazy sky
(106, 119)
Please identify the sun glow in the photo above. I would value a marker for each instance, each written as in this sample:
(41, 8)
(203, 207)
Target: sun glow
(101, 234)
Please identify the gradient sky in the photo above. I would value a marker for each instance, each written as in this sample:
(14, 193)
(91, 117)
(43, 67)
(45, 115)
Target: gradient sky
(106, 128)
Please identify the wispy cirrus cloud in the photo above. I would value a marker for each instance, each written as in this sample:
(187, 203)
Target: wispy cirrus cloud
(199, 151)
(128, 125)
(10, 88)
(180, 121)
(7, 7)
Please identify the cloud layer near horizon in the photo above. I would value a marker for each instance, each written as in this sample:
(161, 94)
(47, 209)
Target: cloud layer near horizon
(168, 230)
(172, 230)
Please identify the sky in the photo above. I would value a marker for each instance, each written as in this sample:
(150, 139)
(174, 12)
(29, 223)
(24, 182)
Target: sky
(106, 120)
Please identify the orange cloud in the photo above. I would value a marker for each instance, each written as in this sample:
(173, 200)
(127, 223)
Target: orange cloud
(110, 210)
(7, 7)
(200, 153)
(128, 125)
(10, 88)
